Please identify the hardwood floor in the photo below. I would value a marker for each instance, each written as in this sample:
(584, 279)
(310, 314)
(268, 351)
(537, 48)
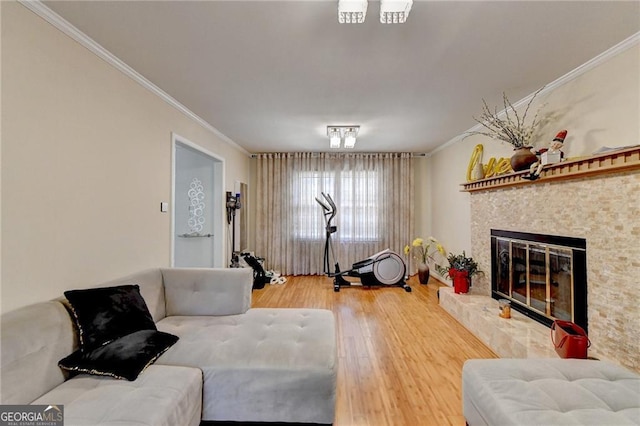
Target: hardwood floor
(400, 354)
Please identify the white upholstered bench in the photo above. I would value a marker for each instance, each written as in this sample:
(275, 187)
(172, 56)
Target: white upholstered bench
(549, 392)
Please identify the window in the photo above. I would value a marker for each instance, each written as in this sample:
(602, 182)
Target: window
(356, 196)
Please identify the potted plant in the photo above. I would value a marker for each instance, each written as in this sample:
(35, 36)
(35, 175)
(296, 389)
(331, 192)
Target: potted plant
(422, 252)
(510, 127)
(461, 269)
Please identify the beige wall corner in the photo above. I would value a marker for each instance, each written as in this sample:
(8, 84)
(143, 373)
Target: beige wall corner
(86, 161)
(422, 199)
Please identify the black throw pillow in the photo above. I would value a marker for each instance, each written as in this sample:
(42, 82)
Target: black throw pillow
(123, 358)
(107, 313)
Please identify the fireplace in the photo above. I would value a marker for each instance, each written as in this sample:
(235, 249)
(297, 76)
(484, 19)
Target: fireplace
(544, 276)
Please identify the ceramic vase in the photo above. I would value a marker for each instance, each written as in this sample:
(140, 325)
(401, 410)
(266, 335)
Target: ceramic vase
(423, 273)
(522, 159)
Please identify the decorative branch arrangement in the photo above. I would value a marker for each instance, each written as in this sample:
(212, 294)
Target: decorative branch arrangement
(512, 128)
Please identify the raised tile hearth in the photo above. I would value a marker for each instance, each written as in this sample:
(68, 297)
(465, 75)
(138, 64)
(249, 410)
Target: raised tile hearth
(517, 337)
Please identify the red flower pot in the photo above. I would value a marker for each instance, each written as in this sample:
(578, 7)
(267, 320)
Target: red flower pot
(460, 280)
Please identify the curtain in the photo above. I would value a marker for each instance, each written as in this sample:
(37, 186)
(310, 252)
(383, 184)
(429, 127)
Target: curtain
(374, 198)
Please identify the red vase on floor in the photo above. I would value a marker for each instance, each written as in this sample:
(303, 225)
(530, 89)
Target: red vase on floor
(460, 280)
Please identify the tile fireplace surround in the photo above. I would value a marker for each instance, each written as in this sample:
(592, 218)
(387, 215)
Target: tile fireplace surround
(605, 210)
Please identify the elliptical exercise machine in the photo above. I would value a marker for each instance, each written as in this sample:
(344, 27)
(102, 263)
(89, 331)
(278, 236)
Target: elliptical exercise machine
(383, 268)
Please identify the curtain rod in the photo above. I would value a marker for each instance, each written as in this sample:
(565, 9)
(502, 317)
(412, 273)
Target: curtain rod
(317, 154)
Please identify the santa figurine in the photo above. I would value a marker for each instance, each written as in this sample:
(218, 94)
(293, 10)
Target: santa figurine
(554, 148)
(558, 143)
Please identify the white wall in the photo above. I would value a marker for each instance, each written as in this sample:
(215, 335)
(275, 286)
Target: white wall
(86, 161)
(423, 197)
(0, 162)
(598, 108)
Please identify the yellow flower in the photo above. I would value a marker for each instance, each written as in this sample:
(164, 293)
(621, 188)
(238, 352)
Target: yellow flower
(424, 250)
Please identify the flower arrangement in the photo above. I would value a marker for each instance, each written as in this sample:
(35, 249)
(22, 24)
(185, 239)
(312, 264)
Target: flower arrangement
(423, 251)
(512, 128)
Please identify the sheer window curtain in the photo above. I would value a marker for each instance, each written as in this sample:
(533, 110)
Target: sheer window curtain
(373, 193)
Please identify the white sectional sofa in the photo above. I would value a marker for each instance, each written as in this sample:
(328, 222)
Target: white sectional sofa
(231, 363)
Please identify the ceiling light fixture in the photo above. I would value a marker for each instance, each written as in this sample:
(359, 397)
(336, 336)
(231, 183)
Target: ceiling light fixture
(352, 11)
(337, 134)
(334, 137)
(350, 137)
(394, 11)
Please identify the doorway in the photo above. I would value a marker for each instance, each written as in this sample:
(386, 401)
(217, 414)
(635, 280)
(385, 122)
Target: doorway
(197, 232)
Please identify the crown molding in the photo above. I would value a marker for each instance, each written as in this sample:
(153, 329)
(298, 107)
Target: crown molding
(37, 7)
(571, 75)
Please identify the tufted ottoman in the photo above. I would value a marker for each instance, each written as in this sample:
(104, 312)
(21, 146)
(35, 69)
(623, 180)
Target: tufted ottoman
(549, 392)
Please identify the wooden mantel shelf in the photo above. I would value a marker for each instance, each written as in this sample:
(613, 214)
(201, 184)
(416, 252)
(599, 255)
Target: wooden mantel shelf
(609, 162)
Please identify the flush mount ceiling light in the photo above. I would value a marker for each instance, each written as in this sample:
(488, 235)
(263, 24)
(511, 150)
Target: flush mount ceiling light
(337, 134)
(391, 11)
(394, 11)
(350, 136)
(352, 11)
(334, 137)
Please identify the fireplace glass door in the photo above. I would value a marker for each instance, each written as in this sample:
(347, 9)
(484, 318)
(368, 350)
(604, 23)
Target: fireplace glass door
(544, 276)
(560, 261)
(536, 275)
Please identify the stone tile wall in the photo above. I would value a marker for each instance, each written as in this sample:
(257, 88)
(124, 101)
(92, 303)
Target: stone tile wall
(605, 210)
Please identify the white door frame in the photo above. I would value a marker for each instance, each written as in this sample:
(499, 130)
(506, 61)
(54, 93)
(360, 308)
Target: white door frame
(218, 190)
